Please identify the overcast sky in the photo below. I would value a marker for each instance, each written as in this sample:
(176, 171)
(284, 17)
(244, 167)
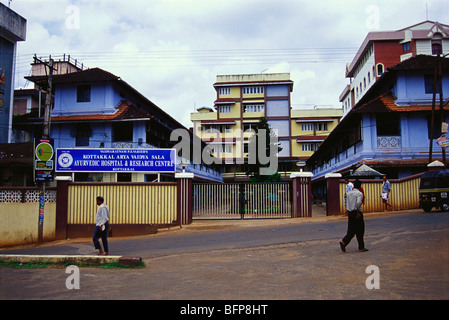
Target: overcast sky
(172, 50)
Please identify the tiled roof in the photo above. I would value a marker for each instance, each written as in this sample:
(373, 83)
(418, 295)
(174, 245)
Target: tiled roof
(397, 162)
(420, 62)
(89, 75)
(125, 110)
(386, 103)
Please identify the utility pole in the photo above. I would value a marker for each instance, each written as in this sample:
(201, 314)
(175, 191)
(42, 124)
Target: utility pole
(442, 118)
(45, 135)
(432, 120)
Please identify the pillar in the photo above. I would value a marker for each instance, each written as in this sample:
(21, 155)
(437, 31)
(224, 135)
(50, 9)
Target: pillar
(184, 189)
(302, 194)
(62, 197)
(333, 193)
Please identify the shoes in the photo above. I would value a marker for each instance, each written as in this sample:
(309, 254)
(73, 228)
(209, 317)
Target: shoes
(363, 250)
(342, 246)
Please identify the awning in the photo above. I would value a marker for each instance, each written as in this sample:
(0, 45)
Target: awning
(306, 120)
(366, 171)
(225, 101)
(218, 122)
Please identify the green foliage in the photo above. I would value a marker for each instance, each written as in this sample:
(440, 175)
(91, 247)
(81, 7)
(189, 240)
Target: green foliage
(253, 170)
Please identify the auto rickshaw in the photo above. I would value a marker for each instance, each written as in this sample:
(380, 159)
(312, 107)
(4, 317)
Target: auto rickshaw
(434, 190)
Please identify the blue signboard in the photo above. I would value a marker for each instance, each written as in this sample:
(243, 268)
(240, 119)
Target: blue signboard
(116, 160)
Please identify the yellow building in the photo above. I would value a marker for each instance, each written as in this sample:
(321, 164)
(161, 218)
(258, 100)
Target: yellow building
(242, 100)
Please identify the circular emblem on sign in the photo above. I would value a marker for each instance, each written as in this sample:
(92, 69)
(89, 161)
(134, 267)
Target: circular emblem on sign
(44, 151)
(65, 160)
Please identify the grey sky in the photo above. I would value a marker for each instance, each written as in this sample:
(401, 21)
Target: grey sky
(172, 50)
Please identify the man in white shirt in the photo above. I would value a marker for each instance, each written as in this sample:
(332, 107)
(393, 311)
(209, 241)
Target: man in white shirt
(101, 227)
(349, 187)
(356, 224)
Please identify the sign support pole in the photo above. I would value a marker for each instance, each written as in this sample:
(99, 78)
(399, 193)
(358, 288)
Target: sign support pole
(45, 135)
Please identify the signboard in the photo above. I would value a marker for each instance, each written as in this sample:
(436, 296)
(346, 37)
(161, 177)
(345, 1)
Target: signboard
(116, 160)
(43, 160)
(443, 141)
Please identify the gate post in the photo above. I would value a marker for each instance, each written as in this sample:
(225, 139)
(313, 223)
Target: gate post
(333, 194)
(184, 198)
(62, 197)
(301, 194)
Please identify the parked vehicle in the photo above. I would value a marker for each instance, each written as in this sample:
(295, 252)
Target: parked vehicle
(434, 190)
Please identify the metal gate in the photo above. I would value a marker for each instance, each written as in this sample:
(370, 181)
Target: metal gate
(242, 200)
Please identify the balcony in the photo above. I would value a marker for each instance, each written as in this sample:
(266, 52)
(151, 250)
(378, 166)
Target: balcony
(389, 142)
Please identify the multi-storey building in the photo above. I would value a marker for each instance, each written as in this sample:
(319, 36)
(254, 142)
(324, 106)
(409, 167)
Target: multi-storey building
(310, 127)
(390, 129)
(96, 109)
(383, 49)
(12, 30)
(242, 100)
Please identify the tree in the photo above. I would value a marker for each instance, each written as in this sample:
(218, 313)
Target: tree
(262, 154)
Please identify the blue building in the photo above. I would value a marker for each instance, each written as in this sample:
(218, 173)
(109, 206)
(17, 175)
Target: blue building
(389, 129)
(96, 109)
(12, 30)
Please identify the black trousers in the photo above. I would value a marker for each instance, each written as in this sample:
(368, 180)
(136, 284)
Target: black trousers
(356, 227)
(103, 235)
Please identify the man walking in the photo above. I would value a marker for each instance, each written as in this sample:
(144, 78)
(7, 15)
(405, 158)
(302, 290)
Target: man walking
(356, 224)
(101, 227)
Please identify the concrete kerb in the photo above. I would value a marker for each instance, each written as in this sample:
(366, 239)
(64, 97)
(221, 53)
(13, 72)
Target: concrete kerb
(92, 260)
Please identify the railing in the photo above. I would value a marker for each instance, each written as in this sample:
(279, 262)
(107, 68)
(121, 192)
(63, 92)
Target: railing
(388, 142)
(25, 195)
(242, 201)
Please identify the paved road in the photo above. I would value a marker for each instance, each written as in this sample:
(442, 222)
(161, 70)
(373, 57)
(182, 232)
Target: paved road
(287, 259)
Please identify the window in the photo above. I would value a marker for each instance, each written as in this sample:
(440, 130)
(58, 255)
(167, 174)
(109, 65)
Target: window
(380, 69)
(225, 128)
(226, 148)
(83, 93)
(122, 131)
(249, 126)
(225, 109)
(83, 132)
(406, 47)
(437, 48)
(254, 108)
(310, 146)
(321, 126)
(253, 90)
(307, 127)
(388, 124)
(225, 91)
(428, 84)
(307, 147)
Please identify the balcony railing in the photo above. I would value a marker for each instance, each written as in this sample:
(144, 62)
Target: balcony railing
(388, 142)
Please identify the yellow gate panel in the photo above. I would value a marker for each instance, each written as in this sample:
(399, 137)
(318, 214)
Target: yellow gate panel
(128, 203)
